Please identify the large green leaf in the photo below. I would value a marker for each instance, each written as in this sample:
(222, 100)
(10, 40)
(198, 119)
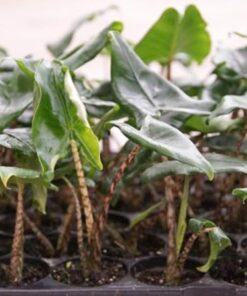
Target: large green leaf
(240, 193)
(59, 116)
(230, 103)
(89, 50)
(220, 163)
(218, 240)
(60, 46)
(8, 174)
(174, 34)
(142, 91)
(167, 141)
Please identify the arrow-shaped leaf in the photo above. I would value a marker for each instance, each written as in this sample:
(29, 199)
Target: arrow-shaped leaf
(168, 141)
(143, 92)
(174, 34)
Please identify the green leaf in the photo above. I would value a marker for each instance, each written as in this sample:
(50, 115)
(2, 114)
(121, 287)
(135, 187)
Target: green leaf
(143, 92)
(233, 59)
(101, 126)
(226, 143)
(218, 240)
(229, 104)
(167, 141)
(60, 115)
(213, 125)
(39, 196)
(89, 50)
(219, 162)
(15, 96)
(240, 193)
(166, 168)
(174, 34)
(226, 164)
(13, 174)
(79, 124)
(60, 46)
(18, 139)
(138, 218)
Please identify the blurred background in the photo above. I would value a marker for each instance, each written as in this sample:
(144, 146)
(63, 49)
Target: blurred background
(27, 26)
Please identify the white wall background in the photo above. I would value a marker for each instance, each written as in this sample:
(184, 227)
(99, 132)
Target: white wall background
(27, 25)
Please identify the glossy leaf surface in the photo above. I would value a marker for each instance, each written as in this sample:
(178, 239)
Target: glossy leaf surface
(143, 92)
(168, 141)
(59, 116)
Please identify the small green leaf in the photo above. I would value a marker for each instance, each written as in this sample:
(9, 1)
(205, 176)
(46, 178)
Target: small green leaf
(174, 34)
(241, 193)
(168, 141)
(218, 240)
(89, 50)
(39, 196)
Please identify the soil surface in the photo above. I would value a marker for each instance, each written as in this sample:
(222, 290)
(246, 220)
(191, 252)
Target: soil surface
(155, 276)
(70, 273)
(231, 268)
(32, 272)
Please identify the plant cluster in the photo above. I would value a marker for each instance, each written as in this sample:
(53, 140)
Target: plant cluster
(186, 144)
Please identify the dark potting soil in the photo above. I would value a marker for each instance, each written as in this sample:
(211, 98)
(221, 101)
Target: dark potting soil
(231, 268)
(70, 273)
(33, 271)
(156, 276)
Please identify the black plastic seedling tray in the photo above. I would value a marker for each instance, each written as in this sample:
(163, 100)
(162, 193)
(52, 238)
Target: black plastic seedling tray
(128, 285)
